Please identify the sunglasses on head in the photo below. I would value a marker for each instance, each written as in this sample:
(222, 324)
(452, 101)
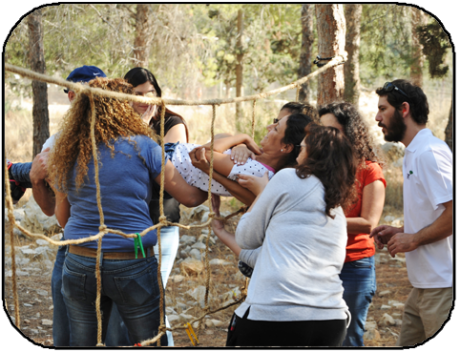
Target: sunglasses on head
(388, 87)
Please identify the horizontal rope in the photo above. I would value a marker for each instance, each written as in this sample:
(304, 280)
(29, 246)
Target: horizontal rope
(77, 87)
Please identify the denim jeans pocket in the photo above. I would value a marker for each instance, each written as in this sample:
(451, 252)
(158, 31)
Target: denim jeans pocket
(136, 289)
(361, 263)
(73, 284)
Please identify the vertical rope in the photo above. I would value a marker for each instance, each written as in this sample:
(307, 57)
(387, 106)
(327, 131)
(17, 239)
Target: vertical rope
(96, 164)
(11, 219)
(98, 292)
(162, 218)
(297, 93)
(101, 219)
(253, 117)
(211, 214)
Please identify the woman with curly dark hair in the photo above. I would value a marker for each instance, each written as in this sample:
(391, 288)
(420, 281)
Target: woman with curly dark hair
(129, 163)
(358, 273)
(294, 236)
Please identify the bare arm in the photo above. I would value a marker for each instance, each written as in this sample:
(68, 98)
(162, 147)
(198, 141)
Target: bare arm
(176, 134)
(43, 195)
(372, 207)
(199, 161)
(237, 191)
(62, 208)
(218, 227)
(222, 144)
(176, 186)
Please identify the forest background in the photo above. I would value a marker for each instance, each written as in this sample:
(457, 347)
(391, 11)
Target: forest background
(200, 51)
(193, 50)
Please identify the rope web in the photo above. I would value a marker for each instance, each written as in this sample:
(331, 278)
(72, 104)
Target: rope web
(103, 229)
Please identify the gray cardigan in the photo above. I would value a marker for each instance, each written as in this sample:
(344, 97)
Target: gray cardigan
(299, 253)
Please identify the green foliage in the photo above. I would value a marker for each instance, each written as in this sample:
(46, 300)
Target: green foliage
(197, 44)
(385, 42)
(435, 43)
(271, 43)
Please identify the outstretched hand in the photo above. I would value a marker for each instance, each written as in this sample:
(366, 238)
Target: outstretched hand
(253, 183)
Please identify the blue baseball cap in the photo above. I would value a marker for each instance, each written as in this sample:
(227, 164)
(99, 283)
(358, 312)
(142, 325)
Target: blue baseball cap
(84, 74)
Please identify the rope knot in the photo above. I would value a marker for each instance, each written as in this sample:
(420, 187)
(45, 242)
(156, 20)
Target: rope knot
(163, 220)
(102, 228)
(162, 329)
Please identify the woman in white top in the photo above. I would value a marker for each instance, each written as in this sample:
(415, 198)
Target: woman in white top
(294, 236)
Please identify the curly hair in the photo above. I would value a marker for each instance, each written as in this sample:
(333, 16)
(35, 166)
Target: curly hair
(331, 159)
(355, 129)
(114, 118)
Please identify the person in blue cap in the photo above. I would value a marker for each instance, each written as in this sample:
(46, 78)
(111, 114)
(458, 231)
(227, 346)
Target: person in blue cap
(33, 175)
(20, 173)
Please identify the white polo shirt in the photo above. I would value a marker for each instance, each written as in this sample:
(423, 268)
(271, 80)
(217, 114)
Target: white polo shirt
(427, 171)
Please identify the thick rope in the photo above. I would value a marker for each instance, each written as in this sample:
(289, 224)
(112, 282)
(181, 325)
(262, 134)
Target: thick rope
(210, 217)
(96, 162)
(158, 101)
(9, 204)
(162, 218)
(101, 219)
(98, 292)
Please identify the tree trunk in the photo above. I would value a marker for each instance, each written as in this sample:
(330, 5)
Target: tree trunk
(239, 61)
(306, 52)
(330, 24)
(141, 42)
(40, 90)
(416, 69)
(351, 67)
(448, 130)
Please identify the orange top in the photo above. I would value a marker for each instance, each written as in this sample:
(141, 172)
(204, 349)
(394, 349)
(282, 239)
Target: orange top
(361, 245)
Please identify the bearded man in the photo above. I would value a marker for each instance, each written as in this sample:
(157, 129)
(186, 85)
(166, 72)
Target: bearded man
(426, 237)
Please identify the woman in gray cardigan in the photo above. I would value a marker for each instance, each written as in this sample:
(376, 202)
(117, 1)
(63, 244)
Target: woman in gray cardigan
(294, 235)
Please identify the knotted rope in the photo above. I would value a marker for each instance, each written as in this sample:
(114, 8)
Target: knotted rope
(103, 230)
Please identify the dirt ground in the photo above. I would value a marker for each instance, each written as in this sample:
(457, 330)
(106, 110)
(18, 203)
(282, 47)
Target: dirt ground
(36, 306)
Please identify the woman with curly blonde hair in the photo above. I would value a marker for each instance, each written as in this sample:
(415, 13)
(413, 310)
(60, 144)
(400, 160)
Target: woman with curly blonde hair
(129, 163)
(358, 273)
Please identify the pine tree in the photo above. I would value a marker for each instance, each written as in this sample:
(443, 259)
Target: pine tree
(40, 91)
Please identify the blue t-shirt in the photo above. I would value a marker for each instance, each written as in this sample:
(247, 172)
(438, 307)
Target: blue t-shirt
(125, 181)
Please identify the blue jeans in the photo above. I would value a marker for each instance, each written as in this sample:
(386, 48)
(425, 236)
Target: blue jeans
(117, 334)
(61, 331)
(131, 284)
(359, 283)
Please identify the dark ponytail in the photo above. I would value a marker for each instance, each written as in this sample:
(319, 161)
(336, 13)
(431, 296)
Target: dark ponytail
(294, 134)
